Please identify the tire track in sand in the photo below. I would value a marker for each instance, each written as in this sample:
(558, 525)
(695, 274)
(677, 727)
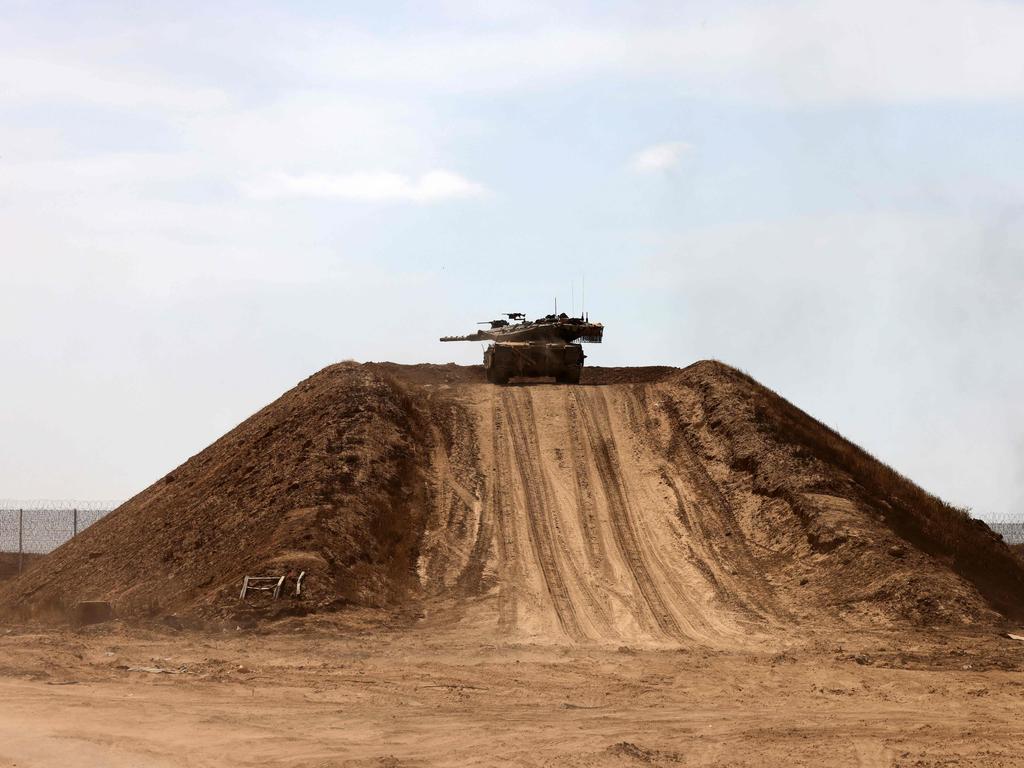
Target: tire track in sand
(719, 533)
(700, 508)
(620, 515)
(517, 458)
(582, 525)
(521, 476)
(560, 518)
(696, 536)
(671, 575)
(509, 557)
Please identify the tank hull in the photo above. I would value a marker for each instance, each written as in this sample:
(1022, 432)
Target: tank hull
(506, 360)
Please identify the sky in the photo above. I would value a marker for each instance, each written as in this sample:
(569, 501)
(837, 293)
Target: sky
(201, 204)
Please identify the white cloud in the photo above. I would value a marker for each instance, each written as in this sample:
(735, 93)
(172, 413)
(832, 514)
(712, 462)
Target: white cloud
(371, 187)
(39, 80)
(316, 131)
(803, 52)
(787, 52)
(873, 323)
(659, 157)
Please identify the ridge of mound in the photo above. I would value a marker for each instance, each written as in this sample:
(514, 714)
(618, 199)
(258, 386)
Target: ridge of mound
(644, 504)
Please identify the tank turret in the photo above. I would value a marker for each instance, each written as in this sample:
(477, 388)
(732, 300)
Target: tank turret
(548, 346)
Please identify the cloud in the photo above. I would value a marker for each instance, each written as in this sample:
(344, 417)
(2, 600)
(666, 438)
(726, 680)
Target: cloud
(369, 187)
(791, 52)
(37, 80)
(802, 53)
(659, 157)
(320, 131)
(874, 323)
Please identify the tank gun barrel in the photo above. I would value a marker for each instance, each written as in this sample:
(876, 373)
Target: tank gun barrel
(478, 336)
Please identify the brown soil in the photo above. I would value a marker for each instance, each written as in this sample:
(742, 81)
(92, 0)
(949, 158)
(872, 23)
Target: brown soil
(650, 505)
(359, 689)
(9, 563)
(659, 567)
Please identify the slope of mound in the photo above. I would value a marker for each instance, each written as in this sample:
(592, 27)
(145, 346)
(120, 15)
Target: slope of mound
(323, 480)
(652, 504)
(694, 504)
(862, 535)
(555, 500)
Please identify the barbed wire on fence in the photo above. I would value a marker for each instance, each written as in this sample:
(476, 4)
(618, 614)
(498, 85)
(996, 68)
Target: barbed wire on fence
(1008, 525)
(36, 527)
(47, 505)
(1012, 533)
(1011, 518)
(39, 526)
(40, 531)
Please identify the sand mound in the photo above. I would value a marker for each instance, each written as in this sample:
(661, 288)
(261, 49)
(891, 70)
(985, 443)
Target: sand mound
(646, 504)
(865, 537)
(325, 479)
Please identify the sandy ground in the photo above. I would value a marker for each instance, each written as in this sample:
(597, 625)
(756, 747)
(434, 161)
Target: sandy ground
(588, 533)
(349, 691)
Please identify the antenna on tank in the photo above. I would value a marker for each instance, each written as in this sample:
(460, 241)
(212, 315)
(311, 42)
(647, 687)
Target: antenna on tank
(583, 301)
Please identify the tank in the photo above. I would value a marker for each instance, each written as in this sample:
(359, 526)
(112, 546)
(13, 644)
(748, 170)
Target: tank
(549, 346)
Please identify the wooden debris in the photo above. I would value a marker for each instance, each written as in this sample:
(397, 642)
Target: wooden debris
(262, 584)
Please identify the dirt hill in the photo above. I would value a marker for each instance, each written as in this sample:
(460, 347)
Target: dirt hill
(646, 503)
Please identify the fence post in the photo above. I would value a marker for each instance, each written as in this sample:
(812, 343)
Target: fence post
(74, 529)
(21, 518)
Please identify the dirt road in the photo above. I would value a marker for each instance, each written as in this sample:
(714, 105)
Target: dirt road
(425, 692)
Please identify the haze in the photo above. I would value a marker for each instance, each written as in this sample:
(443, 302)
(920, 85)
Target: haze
(201, 206)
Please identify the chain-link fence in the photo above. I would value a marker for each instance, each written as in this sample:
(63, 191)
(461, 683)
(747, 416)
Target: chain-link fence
(30, 528)
(1012, 531)
(37, 527)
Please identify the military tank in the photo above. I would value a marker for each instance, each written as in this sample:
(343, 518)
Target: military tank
(548, 346)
